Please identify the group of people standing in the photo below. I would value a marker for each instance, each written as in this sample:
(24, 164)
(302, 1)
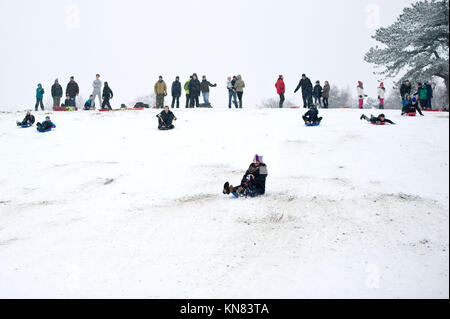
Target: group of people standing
(194, 87)
(320, 94)
(72, 91)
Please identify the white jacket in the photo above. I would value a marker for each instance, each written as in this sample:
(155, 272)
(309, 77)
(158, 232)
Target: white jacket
(381, 92)
(360, 92)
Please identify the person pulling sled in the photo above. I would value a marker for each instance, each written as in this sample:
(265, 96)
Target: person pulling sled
(165, 119)
(253, 183)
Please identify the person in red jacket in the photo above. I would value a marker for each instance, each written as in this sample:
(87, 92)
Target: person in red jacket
(281, 89)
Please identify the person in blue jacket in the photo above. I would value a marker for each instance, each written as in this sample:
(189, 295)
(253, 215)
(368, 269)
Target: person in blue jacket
(39, 97)
(45, 126)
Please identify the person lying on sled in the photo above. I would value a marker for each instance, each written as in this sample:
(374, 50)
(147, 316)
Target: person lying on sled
(27, 121)
(381, 119)
(312, 116)
(165, 119)
(411, 106)
(44, 126)
(253, 183)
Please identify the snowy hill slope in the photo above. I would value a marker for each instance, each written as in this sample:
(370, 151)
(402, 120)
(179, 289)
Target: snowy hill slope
(108, 206)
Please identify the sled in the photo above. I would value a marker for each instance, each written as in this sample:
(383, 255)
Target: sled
(411, 114)
(346, 107)
(381, 123)
(295, 107)
(134, 109)
(433, 110)
(64, 108)
(26, 125)
(205, 105)
(44, 131)
(313, 124)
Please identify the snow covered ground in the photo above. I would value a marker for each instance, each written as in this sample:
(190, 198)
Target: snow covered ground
(108, 206)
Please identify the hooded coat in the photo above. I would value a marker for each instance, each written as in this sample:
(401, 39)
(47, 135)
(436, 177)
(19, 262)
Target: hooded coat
(260, 174)
(326, 91)
(194, 86)
(240, 84)
(281, 87)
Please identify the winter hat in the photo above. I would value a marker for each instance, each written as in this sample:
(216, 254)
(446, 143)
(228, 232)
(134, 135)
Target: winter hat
(414, 99)
(258, 158)
(304, 75)
(381, 84)
(360, 83)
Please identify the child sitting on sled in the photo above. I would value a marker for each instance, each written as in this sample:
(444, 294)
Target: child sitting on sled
(253, 183)
(46, 125)
(312, 116)
(411, 106)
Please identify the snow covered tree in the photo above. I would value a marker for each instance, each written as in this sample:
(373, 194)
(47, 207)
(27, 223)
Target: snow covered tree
(340, 97)
(416, 45)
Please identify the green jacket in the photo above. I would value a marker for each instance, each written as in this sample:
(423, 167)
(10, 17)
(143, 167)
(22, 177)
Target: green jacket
(186, 86)
(423, 93)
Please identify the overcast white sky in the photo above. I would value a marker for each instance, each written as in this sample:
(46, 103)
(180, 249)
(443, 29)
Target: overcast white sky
(131, 42)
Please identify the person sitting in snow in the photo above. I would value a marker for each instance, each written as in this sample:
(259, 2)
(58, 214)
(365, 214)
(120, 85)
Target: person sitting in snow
(27, 121)
(165, 119)
(411, 106)
(312, 116)
(47, 124)
(253, 183)
(90, 104)
(66, 101)
(381, 119)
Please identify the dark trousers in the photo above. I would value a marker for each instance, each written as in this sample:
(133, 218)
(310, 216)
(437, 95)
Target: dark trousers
(188, 99)
(423, 104)
(429, 103)
(106, 103)
(39, 102)
(177, 100)
(72, 101)
(307, 100)
(325, 102)
(240, 94)
(164, 125)
(282, 99)
(194, 100)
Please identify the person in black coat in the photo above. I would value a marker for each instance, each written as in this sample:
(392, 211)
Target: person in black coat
(165, 119)
(429, 87)
(107, 95)
(312, 116)
(307, 91)
(411, 106)
(381, 119)
(57, 93)
(317, 92)
(194, 90)
(405, 88)
(28, 120)
(176, 92)
(72, 91)
(253, 183)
